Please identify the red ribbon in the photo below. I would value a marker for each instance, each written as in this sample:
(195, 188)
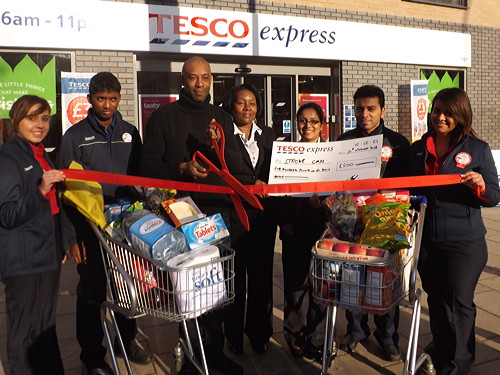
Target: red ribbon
(303, 187)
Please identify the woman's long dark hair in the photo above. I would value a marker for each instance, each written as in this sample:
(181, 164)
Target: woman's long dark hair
(458, 105)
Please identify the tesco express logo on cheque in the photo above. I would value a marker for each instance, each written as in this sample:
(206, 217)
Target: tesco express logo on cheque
(219, 31)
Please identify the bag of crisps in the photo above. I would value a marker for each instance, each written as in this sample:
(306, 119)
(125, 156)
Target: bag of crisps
(386, 225)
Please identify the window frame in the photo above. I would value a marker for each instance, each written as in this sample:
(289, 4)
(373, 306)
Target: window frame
(438, 3)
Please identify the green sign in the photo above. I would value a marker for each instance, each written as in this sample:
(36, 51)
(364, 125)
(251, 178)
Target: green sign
(436, 84)
(26, 78)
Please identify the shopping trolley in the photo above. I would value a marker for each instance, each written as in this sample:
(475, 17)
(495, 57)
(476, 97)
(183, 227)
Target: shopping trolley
(138, 286)
(373, 287)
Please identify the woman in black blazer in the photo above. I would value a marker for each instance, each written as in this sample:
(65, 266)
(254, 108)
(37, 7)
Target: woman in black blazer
(254, 249)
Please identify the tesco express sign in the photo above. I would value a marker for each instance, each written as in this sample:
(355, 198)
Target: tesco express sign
(223, 32)
(219, 32)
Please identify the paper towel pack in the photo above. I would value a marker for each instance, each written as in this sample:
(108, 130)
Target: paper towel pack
(197, 288)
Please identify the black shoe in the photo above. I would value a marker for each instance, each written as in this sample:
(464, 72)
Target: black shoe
(316, 353)
(100, 368)
(223, 364)
(297, 351)
(349, 343)
(391, 351)
(135, 353)
(430, 349)
(235, 349)
(259, 348)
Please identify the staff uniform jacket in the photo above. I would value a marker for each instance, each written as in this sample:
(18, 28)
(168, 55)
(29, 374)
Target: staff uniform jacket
(27, 240)
(397, 163)
(454, 211)
(86, 143)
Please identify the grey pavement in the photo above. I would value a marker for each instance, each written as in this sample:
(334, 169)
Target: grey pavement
(160, 336)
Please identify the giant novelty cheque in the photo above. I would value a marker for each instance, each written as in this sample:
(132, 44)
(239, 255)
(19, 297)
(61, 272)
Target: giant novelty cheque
(353, 159)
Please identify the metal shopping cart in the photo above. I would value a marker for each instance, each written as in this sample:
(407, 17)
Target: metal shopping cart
(138, 286)
(374, 287)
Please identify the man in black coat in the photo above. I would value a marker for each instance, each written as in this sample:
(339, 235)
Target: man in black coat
(173, 134)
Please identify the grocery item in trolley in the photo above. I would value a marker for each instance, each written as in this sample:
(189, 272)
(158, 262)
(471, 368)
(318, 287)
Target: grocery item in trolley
(205, 231)
(386, 225)
(353, 279)
(197, 280)
(182, 210)
(333, 248)
(330, 280)
(344, 215)
(156, 196)
(152, 236)
(385, 283)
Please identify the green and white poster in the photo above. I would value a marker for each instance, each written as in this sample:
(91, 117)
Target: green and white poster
(26, 78)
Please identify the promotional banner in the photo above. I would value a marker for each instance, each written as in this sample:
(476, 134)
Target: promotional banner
(74, 103)
(148, 104)
(26, 78)
(419, 107)
(354, 159)
(141, 27)
(322, 101)
(74, 24)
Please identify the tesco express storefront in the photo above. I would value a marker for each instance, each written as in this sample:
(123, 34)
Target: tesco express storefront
(290, 60)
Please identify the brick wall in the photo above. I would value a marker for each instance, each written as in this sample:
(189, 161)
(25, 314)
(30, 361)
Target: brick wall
(121, 64)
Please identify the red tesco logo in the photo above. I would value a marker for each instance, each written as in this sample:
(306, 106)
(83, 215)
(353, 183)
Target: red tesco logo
(291, 148)
(201, 26)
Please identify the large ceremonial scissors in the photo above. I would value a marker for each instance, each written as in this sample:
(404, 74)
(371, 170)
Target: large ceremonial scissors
(238, 188)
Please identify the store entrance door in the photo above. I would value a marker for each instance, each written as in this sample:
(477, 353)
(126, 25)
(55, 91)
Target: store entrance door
(283, 90)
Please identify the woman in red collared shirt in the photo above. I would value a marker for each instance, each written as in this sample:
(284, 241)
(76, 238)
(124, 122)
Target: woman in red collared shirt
(30, 241)
(454, 251)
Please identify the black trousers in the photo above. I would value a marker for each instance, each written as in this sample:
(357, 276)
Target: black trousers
(450, 272)
(252, 310)
(31, 303)
(387, 325)
(91, 292)
(304, 320)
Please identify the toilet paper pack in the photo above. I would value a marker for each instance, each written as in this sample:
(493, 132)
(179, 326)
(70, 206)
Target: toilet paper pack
(198, 280)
